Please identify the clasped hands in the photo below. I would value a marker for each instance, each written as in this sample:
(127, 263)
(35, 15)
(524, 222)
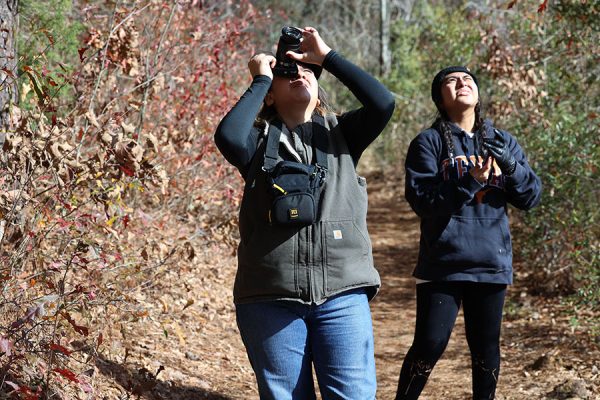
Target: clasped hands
(498, 148)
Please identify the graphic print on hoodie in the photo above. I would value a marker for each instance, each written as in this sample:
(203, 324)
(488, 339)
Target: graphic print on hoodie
(464, 224)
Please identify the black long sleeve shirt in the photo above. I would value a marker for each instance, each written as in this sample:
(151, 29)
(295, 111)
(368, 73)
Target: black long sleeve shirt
(237, 137)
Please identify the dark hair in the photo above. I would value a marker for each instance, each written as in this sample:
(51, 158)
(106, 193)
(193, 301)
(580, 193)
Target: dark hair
(267, 113)
(442, 125)
(442, 121)
(438, 79)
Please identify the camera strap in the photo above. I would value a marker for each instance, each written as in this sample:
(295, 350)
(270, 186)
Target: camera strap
(295, 187)
(319, 143)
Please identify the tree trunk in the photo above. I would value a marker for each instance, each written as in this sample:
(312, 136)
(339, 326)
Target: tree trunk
(8, 62)
(385, 58)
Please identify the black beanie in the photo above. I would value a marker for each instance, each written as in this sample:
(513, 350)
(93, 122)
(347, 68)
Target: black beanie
(436, 85)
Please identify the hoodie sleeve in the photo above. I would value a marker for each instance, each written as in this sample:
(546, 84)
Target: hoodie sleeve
(236, 137)
(361, 126)
(425, 188)
(523, 187)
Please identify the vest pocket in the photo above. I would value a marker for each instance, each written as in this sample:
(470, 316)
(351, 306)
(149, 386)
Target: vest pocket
(267, 262)
(346, 253)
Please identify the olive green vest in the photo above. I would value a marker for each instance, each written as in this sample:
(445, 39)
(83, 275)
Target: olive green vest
(307, 264)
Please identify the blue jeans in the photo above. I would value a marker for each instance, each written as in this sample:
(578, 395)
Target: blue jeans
(284, 339)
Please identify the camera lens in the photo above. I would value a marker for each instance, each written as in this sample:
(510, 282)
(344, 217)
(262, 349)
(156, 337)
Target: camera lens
(288, 41)
(291, 34)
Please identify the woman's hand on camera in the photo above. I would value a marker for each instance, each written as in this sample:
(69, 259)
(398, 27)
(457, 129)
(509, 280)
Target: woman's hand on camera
(481, 171)
(261, 64)
(313, 48)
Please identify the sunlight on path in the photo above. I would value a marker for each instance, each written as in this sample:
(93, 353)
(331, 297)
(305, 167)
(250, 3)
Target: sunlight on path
(188, 332)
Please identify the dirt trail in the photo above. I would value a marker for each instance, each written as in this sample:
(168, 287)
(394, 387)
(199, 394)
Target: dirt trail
(394, 230)
(187, 347)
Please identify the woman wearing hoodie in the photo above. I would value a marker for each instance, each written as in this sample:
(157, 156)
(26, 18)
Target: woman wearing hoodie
(461, 174)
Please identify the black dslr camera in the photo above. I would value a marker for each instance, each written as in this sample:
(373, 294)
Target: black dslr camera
(288, 41)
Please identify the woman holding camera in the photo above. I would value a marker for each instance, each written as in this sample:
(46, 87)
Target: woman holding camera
(305, 269)
(460, 176)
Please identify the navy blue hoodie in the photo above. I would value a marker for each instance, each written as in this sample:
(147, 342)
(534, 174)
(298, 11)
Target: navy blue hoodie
(464, 224)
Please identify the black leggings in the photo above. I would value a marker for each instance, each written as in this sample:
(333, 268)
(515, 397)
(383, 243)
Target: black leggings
(437, 307)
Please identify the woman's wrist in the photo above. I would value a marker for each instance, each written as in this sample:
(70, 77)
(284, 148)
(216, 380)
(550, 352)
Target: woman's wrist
(262, 77)
(324, 53)
(330, 54)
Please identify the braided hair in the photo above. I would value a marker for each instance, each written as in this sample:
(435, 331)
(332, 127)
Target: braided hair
(442, 125)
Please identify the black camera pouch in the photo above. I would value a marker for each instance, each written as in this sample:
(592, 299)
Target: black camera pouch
(295, 187)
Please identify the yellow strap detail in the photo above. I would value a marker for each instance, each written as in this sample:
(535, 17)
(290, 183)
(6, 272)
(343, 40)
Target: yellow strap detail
(279, 188)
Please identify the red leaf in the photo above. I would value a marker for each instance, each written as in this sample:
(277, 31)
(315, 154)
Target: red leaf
(511, 4)
(126, 170)
(543, 6)
(59, 348)
(125, 221)
(70, 375)
(62, 223)
(28, 393)
(48, 35)
(81, 51)
(8, 72)
(64, 204)
(78, 328)
(27, 68)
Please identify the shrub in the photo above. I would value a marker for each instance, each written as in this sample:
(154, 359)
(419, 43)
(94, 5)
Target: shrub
(537, 67)
(95, 186)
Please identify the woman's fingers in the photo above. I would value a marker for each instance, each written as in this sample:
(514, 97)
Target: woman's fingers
(494, 147)
(481, 171)
(313, 48)
(493, 142)
(261, 64)
(488, 164)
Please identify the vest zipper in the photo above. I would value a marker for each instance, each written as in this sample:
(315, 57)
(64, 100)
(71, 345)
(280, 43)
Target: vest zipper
(309, 263)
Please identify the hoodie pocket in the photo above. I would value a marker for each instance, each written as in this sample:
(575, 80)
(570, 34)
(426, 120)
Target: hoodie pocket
(474, 242)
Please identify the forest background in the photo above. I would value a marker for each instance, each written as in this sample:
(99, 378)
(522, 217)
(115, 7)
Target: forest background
(110, 180)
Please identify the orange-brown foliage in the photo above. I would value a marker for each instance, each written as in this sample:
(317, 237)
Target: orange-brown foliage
(100, 193)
